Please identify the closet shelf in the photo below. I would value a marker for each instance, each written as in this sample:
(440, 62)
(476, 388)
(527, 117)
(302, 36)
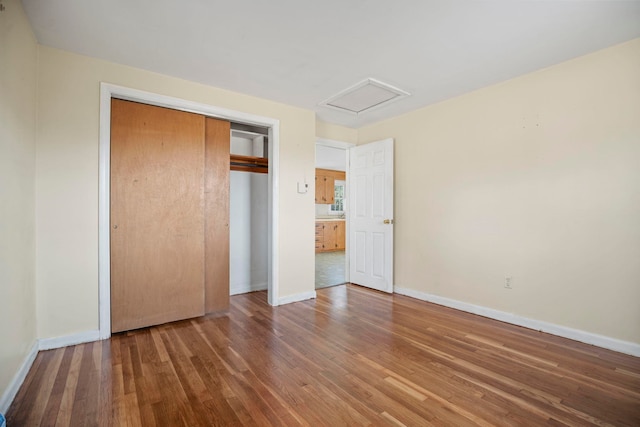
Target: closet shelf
(249, 163)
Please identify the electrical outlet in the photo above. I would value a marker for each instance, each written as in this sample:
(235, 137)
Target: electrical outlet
(508, 282)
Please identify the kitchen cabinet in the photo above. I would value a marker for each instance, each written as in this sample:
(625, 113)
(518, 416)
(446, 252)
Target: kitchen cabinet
(330, 235)
(324, 189)
(340, 235)
(325, 185)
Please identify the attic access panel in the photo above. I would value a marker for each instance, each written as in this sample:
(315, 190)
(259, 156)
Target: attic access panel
(365, 96)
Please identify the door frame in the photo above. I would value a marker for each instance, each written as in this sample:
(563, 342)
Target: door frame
(343, 146)
(108, 91)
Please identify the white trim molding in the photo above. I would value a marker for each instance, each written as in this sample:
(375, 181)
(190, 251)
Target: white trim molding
(297, 297)
(17, 380)
(38, 345)
(108, 91)
(614, 344)
(333, 143)
(67, 340)
(273, 215)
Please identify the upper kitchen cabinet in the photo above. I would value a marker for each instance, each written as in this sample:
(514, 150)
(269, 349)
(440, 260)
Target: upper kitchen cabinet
(325, 184)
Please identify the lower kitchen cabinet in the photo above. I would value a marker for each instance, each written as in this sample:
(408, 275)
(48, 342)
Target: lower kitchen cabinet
(330, 236)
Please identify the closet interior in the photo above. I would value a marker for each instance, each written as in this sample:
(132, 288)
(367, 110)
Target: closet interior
(248, 209)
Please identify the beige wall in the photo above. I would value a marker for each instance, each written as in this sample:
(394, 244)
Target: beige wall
(336, 132)
(536, 178)
(18, 60)
(67, 182)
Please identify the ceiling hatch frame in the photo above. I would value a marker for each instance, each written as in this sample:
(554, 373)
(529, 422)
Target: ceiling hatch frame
(365, 96)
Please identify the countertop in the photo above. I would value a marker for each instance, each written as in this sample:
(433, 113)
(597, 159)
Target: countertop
(329, 219)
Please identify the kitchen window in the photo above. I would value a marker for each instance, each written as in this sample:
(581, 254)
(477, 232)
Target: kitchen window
(339, 192)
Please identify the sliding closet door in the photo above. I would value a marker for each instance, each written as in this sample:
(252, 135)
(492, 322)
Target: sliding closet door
(217, 146)
(157, 215)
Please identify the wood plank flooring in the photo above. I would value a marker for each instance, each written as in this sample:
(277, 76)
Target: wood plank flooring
(352, 357)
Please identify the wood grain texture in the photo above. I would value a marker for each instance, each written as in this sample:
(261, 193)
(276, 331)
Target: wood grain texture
(325, 185)
(341, 175)
(157, 208)
(319, 236)
(249, 163)
(330, 236)
(217, 146)
(352, 357)
(341, 235)
(329, 243)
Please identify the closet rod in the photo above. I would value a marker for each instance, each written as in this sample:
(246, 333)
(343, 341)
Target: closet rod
(249, 165)
(244, 167)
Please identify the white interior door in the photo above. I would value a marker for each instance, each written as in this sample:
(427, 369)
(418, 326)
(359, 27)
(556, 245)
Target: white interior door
(371, 215)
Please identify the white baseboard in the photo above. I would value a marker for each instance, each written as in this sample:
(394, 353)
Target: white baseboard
(17, 380)
(243, 289)
(42, 344)
(64, 341)
(297, 297)
(625, 347)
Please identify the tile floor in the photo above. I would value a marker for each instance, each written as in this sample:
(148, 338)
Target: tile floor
(330, 269)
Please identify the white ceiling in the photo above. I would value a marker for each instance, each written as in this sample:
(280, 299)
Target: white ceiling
(302, 52)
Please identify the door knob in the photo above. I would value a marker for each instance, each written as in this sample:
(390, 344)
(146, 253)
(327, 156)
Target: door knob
(388, 221)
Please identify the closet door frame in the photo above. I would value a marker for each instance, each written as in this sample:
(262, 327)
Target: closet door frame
(108, 91)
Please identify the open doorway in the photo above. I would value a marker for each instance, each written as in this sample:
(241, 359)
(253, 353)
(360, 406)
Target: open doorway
(332, 204)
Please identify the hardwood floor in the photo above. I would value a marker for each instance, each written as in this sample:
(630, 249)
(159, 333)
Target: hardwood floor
(351, 357)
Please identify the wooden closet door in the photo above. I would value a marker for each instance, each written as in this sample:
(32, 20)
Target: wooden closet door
(217, 148)
(157, 215)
